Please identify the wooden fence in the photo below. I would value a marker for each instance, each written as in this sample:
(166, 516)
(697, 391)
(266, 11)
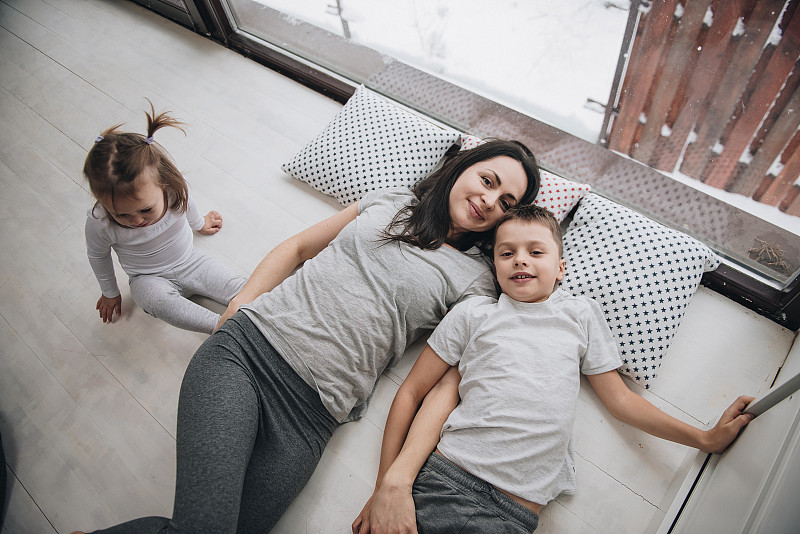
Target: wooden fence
(712, 90)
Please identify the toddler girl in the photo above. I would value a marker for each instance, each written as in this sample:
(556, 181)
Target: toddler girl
(144, 212)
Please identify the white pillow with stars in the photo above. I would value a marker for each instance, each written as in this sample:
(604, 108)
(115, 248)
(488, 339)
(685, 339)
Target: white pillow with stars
(370, 144)
(642, 274)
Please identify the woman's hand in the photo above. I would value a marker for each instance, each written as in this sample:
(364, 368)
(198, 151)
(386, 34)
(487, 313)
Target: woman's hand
(733, 420)
(233, 307)
(361, 524)
(390, 510)
(212, 222)
(107, 307)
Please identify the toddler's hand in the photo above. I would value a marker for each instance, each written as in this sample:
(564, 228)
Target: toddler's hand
(212, 222)
(107, 307)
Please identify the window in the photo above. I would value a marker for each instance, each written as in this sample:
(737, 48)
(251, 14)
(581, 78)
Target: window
(553, 61)
(589, 141)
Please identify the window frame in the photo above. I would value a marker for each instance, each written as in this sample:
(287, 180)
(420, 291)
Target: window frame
(211, 18)
(193, 17)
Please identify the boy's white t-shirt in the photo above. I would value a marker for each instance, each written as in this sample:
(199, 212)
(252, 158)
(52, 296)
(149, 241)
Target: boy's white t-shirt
(520, 366)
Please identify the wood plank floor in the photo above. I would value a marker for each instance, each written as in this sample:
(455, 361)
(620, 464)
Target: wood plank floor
(88, 411)
(68, 383)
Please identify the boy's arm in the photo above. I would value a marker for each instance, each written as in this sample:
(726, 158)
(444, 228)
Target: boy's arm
(408, 440)
(287, 256)
(630, 408)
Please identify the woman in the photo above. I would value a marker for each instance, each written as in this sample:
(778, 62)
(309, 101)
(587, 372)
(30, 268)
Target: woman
(262, 396)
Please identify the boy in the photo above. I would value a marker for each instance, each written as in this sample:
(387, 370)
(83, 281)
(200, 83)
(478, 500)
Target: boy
(507, 444)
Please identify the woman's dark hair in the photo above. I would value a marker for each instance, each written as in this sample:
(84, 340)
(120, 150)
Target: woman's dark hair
(118, 160)
(427, 223)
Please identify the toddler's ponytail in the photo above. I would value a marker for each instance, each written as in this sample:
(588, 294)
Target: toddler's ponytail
(156, 122)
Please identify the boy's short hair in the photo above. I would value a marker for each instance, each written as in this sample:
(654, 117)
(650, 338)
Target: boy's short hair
(535, 214)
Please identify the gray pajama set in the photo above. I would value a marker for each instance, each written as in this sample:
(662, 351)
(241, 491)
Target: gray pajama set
(520, 366)
(262, 396)
(163, 266)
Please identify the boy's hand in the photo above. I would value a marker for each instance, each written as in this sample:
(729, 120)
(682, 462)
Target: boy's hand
(212, 222)
(733, 420)
(107, 307)
(390, 510)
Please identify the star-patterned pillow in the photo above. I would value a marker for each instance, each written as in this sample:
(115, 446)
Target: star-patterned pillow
(556, 195)
(642, 274)
(370, 144)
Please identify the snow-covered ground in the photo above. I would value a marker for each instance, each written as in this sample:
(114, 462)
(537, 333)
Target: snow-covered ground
(546, 58)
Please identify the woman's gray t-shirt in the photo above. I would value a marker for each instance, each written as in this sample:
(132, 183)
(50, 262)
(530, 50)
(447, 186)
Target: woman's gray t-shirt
(352, 310)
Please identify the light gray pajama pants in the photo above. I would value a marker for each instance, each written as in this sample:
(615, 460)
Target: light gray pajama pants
(250, 434)
(166, 295)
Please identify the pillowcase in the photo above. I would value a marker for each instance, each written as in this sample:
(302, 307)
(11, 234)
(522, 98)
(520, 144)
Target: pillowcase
(370, 144)
(640, 272)
(470, 141)
(556, 195)
(559, 196)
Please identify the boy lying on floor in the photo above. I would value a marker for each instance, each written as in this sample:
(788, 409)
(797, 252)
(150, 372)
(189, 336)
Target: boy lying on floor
(504, 452)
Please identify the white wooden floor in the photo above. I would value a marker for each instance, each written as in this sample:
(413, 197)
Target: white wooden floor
(87, 411)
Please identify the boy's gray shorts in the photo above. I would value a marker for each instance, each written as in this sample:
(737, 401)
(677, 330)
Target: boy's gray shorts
(448, 500)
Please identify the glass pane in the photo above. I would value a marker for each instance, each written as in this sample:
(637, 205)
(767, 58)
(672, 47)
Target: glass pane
(551, 60)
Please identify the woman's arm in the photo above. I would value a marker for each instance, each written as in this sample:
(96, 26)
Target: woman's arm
(288, 255)
(630, 408)
(408, 439)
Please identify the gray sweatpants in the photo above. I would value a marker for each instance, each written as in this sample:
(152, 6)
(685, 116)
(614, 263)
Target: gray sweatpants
(166, 295)
(448, 499)
(250, 434)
